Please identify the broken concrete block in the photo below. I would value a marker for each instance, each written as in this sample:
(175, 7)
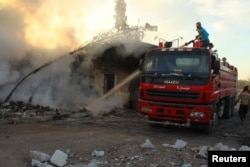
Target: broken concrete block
(203, 153)
(221, 147)
(186, 165)
(37, 163)
(93, 163)
(147, 144)
(98, 153)
(40, 156)
(48, 165)
(179, 144)
(244, 148)
(59, 158)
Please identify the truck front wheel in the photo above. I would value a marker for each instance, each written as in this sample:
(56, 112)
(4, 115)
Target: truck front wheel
(227, 113)
(210, 127)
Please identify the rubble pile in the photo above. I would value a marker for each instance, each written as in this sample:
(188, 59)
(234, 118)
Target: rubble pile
(179, 154)
(20, 112)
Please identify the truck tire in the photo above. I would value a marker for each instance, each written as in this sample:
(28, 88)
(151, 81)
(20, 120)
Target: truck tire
(233, 106)
(227, 108)
(211, 126)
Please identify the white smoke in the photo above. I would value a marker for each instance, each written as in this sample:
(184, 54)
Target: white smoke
(7, 75)
(53, 85)
(107, 105)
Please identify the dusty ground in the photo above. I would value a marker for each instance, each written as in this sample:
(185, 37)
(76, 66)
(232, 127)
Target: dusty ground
(120, 136)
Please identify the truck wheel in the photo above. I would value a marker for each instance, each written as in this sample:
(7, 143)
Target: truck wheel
(211, 126)
(227, 108)
(208, 129)
(233, 107)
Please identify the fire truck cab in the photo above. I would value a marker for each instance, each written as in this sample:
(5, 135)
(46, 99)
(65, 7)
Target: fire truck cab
(185, 86)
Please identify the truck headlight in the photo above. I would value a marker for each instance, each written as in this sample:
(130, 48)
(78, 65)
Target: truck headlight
(146, 109)
(197, 114)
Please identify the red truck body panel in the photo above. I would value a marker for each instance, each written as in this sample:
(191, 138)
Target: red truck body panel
(228, 80)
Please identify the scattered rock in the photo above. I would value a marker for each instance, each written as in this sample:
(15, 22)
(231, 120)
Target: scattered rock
(147, 144)
(40, 156)
(244, 148)
(203, 152)
(222, 147)
(186, 165)
(98, 153)
(179, 144)
(59, 158)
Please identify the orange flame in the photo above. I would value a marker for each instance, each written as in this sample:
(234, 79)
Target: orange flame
(54, 24)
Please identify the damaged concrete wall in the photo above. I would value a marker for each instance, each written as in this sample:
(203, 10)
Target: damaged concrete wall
(104, 84)
(111, 69)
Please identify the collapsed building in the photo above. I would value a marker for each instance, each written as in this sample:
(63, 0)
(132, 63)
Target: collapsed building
(112, 66)
(110, 57)
(115, 55)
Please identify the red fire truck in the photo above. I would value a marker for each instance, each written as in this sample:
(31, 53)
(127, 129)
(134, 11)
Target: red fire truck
(186, 86)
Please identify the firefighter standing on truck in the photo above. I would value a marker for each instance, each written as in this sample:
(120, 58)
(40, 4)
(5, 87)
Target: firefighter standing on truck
(202, 35)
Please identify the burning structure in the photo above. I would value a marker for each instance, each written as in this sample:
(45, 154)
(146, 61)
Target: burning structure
(119, 52)
(97, 66)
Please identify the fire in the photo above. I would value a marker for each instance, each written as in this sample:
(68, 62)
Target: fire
(50, 25)
(50, 32)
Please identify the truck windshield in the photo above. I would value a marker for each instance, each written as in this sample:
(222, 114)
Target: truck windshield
(177, 62)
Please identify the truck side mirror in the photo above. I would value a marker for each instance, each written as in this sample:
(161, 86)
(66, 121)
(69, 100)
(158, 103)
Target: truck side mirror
(215, 65)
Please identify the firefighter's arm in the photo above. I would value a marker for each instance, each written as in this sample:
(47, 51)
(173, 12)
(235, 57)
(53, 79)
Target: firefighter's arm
(239, 97)
(235, 103)
(198, 37)
(199, 34)
(187, 43)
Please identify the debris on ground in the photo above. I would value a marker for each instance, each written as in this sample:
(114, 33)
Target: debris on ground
(39, 156)
(134, 148)
(136, 157)
(20, 112)
(179, 144)
(147, 144)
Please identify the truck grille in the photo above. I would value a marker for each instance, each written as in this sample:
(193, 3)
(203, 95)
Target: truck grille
(172, 94)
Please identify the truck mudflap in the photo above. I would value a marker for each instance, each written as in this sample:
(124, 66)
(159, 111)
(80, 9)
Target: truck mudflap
(167, 123)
